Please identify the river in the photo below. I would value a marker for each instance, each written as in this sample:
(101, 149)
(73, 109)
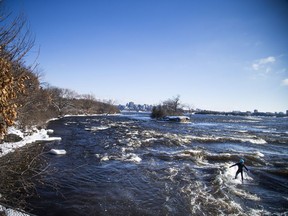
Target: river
(131, 165)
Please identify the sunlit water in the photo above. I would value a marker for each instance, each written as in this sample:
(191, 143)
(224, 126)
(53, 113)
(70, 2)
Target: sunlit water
(131, 165)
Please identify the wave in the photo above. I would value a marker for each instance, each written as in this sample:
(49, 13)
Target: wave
(203, 158)
(228, 181)
(94, 128)
(253, 140)
(215, 195)
(150, 137)
(128, 157)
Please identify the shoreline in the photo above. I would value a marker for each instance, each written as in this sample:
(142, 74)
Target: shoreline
(35, 135)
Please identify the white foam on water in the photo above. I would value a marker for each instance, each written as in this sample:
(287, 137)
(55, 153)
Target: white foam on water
(132, 132)
(203, 124)
(227, 176)
(258, 154)
(256, 141)
(247, 138)
(128, 157)
(192, 151)
(131, 157)
(201, 198)
(173, 172)
(105, 158)
(250, 139)
(253, 118)
(186, 153)
(241, 131)
(260, 212)
(218, 154)
(98, 128)
(130, 142)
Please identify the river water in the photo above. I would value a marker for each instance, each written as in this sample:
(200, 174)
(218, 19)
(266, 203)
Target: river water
(131, 165)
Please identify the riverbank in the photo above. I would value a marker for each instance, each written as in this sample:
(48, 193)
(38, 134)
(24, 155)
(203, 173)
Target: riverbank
(17, 139)
(32, 135)
(24, 139)
(27, 137)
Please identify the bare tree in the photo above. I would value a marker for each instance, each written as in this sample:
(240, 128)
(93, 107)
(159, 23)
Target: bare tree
(168, 107)
(15, 42)
(61, 99)
(110, 107)
(189, 108)
(88, 102)
(173, 105)
(15, 37)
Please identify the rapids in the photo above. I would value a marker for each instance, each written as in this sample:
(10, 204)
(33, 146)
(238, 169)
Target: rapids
(131, 165)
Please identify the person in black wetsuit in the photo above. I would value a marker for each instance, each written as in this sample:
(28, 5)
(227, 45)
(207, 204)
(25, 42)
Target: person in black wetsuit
(240, 168)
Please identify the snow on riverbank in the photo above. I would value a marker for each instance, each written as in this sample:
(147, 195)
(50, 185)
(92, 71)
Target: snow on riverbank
(7, 147)
(33, 136)
(11, 212)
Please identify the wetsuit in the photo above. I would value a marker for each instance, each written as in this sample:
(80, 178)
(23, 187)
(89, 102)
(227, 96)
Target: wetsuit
(240, 169)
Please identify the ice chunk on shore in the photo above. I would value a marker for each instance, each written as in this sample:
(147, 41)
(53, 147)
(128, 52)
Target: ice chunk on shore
(57, 151)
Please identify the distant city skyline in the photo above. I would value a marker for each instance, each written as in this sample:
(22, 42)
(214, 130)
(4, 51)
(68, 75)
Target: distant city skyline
(148, 107)
(217, 55)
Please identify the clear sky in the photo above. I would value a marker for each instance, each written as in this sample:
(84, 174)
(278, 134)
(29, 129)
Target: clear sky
(216, 54)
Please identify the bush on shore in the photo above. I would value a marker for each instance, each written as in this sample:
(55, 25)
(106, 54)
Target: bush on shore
(26, 101)
(23, 98)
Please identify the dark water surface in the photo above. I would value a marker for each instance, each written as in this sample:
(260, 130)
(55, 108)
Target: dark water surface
(130, 165)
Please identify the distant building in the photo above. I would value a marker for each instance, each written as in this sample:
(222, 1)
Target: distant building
(131, 106)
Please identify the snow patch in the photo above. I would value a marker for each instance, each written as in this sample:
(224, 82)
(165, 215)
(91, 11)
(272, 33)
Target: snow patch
(34, 135)
(11, 212)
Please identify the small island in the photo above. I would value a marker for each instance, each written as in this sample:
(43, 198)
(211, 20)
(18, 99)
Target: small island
(170, 110)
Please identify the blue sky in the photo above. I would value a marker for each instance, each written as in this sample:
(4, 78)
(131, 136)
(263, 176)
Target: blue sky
(216, 54)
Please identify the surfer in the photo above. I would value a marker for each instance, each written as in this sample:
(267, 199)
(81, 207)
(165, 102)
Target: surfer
(240, 165)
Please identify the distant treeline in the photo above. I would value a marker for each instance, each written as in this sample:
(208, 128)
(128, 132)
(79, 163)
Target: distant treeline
(23, 99)
(267, 114)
